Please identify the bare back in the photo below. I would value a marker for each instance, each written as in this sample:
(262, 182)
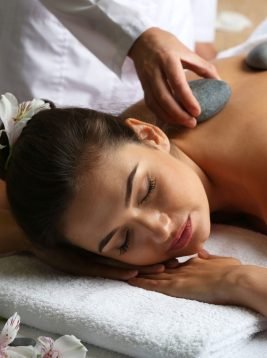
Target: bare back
(232, 146)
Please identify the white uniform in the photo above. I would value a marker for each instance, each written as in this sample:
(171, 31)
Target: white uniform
(74, 52)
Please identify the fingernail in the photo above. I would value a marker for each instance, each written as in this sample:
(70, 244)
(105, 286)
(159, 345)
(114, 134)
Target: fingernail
(204, 253)
(191, 123)
(132, 274)
(173, 264)
(159, 268)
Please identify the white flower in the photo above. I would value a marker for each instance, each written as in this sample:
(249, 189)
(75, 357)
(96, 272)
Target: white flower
(15, 116)
(67, 346)
(10, 330)
(64, 347)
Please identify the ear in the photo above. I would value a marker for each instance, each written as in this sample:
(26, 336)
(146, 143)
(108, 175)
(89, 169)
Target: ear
(150, 134)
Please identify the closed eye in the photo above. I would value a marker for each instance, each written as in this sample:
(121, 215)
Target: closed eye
(124, 247)
(151, 185)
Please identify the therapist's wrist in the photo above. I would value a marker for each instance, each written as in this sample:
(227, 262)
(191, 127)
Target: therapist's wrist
(145, 40)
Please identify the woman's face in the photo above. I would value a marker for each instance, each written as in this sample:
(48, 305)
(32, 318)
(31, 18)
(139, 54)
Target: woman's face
(141, 206)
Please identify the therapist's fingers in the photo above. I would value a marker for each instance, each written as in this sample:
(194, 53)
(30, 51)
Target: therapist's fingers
(198, 65)
(160, 99)
(160, 59)
(175, 75)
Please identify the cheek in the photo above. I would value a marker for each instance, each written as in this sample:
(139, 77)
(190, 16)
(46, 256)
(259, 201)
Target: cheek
(179, 187)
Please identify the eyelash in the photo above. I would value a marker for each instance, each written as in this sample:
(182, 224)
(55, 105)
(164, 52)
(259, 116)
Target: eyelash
(151, 186)
(124, 247)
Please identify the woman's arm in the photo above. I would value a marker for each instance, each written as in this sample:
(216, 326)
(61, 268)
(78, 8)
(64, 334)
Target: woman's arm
(213, 279)
(251, 287)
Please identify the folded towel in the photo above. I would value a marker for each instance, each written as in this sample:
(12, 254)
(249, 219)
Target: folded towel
(127, 319)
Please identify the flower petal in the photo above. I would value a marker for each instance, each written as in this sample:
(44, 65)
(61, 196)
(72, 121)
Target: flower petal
(21, 352)
(44, 345)
(8, 111)
(70, 347)
(10, 330)
(15, 116)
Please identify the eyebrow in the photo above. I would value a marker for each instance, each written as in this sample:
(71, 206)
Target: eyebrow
(128, 194)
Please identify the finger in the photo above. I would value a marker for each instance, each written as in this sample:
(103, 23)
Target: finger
(162, 102)
(176, 76)
(204, 254)
(107, 262)
(200, 66)
(151, 269)
(106, 271)
(160, 276)
(172, 263)
(152, 285)
(119, 264)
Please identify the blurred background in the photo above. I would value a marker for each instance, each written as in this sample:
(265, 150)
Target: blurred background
(255, 11)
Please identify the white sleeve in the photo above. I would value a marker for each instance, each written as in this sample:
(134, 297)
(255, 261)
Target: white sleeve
(108, 28)
(204, 12)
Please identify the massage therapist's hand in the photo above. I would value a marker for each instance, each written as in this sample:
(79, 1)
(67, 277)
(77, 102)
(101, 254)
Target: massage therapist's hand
(87, 264)
(160, 59)
(203, 279)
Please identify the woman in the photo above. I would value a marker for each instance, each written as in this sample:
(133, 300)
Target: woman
(128, 192)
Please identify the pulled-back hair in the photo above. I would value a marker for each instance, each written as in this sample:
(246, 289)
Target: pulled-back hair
(47, 160)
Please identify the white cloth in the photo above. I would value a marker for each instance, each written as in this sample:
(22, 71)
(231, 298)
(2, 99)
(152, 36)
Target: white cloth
(69, 64)
(130, 320)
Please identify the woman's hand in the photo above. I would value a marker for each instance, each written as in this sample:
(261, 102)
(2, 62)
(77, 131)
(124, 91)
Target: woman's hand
(160, 59)
(206, 279)
(80, 262)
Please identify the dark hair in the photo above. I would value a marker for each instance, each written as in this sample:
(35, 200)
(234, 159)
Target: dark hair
(52, 153)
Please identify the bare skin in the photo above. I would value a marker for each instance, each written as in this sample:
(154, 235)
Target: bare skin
(70, 260)
(231, 150)
(160, 59)
(225, 153)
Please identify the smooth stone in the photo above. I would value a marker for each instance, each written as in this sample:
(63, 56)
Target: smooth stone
(212, 95)
(257, 57)
(23, 341)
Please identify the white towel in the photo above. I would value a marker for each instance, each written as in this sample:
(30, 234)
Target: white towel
(131, 320)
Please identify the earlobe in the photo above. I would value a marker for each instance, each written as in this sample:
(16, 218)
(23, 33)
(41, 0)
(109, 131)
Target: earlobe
(150, 134)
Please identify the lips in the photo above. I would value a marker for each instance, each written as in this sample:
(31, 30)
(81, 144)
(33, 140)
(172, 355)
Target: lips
(182, 236)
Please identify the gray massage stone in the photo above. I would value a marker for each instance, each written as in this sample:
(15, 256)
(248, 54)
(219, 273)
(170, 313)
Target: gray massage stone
(23, 341)
(257, 57)
(212, 96)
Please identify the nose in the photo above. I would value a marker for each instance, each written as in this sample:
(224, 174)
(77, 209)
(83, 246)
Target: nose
(158, 223)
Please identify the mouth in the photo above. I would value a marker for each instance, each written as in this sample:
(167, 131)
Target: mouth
(182, 236)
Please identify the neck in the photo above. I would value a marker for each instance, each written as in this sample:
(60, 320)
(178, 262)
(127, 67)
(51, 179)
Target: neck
(207, 183)
(224, 190)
